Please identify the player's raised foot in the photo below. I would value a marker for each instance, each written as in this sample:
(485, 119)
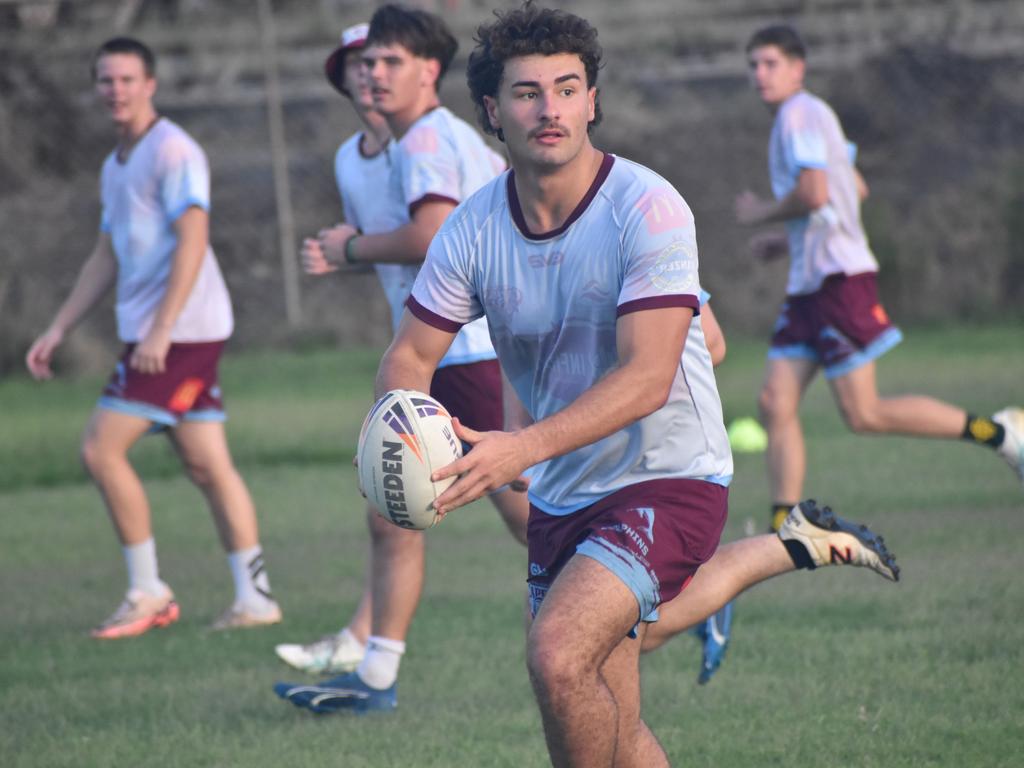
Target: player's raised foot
(714, 636)
(331, 654)
(345, 693)
(1012, 448)
(139, 613)
(240, 616)
(830, 540)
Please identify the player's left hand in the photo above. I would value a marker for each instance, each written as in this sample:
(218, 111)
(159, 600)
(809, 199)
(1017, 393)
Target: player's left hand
(497, 459)
(150, 354)
(333, 241)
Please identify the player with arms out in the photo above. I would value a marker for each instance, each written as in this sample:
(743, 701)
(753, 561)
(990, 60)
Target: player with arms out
(174, 315)
(585, 266)
(394, 203)
(831, 318)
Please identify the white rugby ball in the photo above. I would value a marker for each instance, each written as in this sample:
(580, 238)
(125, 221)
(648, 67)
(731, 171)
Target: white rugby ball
(405, 438)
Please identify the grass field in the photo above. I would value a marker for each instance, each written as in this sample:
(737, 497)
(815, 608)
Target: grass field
(834, 668)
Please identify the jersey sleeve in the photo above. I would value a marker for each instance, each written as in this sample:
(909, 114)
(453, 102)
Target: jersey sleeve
(347, 209)
(659, 255)
(444, 295)
(184, 178)
(803, 137)
(429, 169)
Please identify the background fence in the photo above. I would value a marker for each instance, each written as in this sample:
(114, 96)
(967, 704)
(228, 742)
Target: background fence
(929, 89)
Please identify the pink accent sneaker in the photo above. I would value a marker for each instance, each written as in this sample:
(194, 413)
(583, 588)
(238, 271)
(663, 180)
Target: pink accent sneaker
(139, 613)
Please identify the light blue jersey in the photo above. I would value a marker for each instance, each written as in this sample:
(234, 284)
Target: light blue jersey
(830, 240)
(165, 174)
(552, 301)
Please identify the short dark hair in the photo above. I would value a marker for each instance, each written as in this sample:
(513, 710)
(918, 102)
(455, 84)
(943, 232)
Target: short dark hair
(526, 31)
(424, 34)
(130, 46)
(783, 37)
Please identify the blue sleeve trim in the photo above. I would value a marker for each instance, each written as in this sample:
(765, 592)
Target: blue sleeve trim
(192, 202)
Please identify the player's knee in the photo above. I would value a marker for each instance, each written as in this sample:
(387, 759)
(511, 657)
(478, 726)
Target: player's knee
(860, 419)
(553, 664)
(772, 405)
(200, 473)
(93, 455)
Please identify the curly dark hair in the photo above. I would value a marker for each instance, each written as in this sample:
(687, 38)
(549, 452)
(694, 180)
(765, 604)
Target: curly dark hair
(525, 31)
(424, 34)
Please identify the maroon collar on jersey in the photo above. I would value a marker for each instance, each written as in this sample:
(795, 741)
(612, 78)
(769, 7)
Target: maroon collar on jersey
(517, 212)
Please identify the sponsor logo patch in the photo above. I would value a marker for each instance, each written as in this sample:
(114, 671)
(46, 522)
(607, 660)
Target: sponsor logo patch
(674, 270)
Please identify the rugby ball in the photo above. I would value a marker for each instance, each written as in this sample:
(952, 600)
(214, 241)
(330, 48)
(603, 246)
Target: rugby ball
(405, 438)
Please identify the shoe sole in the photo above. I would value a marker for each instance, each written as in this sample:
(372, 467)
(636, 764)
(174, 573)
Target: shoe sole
(162, 618)
(827, 520)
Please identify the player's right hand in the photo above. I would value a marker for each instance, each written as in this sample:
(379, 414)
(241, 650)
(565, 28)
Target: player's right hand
(41, 353)
(314, 262)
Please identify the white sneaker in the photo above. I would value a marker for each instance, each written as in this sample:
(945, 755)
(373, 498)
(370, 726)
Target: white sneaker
(341, 652)
(239, 616)
(1012, 449)
(830, 540)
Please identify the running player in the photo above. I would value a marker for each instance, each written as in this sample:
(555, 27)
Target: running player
(174, 315)
(397, 198)
(832, 319)
(585, 266)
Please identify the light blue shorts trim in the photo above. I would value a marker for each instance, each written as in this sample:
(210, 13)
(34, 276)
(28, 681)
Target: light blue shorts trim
(793, 351)
(158, 416)
(630, 572)
(889, 339)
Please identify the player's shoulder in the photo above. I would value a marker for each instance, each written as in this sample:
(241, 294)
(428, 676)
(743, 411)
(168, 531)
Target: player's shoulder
(804, 106)
(634, 190)
(349, 147)
(173, 143)
(486, 205)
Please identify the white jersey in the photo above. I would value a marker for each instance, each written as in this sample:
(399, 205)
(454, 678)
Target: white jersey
(552, 301)
(165, 175)
(830, 240)
(442, 158)
(363, 185)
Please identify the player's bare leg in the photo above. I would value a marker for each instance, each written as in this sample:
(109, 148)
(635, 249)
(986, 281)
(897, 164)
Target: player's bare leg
(584, 671)
(733, 568)
(202, 447)
(149, 602)
(784, 384)
(514, 508)
(104, 452)
(398, 563)
(856, 394)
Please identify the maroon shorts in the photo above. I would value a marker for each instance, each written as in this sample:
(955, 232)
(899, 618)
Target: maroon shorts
(472, 392)
(841, 326)
(187, 390)
(652, 535)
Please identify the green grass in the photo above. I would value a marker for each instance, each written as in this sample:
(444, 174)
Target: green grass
(834, 668)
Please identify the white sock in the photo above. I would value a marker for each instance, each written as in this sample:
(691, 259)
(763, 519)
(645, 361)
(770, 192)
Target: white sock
(379, 667)
(142, 570)
(252, 586)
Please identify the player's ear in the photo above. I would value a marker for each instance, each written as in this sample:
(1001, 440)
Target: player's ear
(591, 103)
(491, 107)
(431, 71)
